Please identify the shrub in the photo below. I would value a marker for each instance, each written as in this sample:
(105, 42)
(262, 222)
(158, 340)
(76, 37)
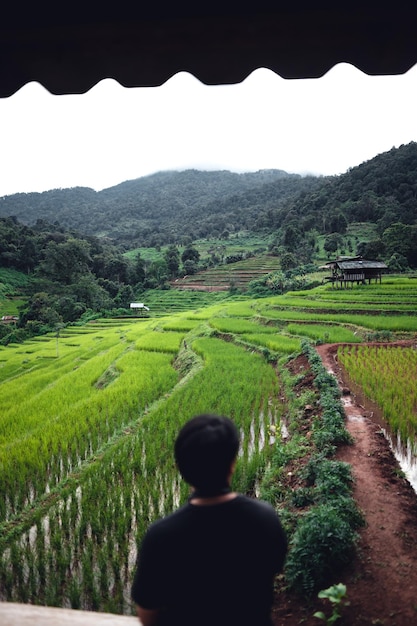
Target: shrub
(323, 542)
(303, 496)
(323, 539)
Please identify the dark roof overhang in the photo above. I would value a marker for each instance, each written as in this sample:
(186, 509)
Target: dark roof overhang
(69, 48)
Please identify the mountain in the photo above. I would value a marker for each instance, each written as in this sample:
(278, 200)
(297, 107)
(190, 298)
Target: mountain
(166, 204)
(382, 190)
(172, 207)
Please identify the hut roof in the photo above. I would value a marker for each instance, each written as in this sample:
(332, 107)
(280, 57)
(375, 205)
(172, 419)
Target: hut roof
(354, 265)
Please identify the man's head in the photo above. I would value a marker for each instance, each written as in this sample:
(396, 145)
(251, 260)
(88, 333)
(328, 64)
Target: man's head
(205, 450)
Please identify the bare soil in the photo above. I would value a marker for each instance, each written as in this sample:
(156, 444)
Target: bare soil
(382, 579)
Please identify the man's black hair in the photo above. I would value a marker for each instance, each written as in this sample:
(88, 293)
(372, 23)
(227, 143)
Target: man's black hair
(205, 449)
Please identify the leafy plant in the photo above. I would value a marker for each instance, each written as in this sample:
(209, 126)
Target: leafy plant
(323, 542)
(336, 594)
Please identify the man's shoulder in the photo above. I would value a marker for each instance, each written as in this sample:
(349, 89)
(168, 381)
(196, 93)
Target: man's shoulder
(169, 521)
(242, 508)
(261, 519)
(255, 505)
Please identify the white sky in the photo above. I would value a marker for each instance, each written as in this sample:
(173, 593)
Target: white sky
(112, 134)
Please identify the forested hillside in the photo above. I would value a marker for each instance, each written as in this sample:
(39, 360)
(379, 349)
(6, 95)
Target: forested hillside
(382, 190)
(170, 207)
(156, 209)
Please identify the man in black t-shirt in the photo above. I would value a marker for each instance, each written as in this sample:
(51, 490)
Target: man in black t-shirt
(213, 561)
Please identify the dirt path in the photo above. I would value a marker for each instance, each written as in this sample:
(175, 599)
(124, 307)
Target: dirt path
(382, 583)
(382, 580)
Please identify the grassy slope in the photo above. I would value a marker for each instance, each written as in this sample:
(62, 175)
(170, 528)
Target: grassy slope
(11, 284)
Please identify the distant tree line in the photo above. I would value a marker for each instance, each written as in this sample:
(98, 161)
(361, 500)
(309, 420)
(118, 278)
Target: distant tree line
(73, 276)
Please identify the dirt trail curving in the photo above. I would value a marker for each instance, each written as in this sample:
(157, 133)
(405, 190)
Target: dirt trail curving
(382, 583)
(382, 580)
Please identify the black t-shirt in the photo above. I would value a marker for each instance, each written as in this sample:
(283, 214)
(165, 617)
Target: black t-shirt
(212, 565)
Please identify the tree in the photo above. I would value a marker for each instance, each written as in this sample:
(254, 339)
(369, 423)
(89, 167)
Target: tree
(89, 292)
(157, 274)
(124, 297)
(290, 237)
(139, 270)
(288, 261)
(332, 243)
(189, 267)
(69, 308)
(40, 308)
(190, 254)
(29, 254)
(66, 262)
(374, 249)
(397, 239)
(337, 222)
(117, 269)
(397, 263)
(172, 259)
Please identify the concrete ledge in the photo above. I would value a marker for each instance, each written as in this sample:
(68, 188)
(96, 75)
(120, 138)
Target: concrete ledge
(13, 614)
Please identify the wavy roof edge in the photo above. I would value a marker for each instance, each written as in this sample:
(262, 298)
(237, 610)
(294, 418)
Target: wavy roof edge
(72, 52)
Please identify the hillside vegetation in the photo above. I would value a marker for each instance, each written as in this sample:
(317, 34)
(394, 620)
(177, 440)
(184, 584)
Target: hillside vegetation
(250, 234)
(169, 206)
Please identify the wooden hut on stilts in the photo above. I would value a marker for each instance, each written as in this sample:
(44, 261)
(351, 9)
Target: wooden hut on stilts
(349, 270)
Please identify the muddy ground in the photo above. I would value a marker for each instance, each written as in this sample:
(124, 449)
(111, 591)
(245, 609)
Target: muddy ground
(382, 580)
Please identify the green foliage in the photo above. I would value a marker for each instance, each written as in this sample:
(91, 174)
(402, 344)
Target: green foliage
(187, 206)
(322, 544)
(164, 207)
(336, 594)
(280, 282)
(12, 281)
(323, 537)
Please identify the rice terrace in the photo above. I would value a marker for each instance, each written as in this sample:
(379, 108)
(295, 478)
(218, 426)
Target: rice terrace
(89, 415)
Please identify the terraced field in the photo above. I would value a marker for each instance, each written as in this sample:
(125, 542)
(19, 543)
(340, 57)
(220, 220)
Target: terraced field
(88, 420)
(222, 277)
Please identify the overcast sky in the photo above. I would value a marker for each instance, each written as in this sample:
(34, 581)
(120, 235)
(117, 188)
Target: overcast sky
(112, 134)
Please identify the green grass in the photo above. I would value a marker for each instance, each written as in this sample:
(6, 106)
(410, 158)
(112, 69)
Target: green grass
(12, 283)
(387, 376)
(237, 243)
(12, 280)
(160, 341)
(180, 324)
(326, 333)
(167, 302)
(276, 342)
(398, 323)
(237, 325)
(148, 254)
(243, 241)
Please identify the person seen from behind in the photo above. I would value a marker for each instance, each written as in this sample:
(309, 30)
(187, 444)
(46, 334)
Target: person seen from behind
(213, 561)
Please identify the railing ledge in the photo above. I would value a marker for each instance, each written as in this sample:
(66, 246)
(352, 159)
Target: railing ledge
(14, 614)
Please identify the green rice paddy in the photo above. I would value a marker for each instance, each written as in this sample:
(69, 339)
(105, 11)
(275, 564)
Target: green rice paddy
(88, 422)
